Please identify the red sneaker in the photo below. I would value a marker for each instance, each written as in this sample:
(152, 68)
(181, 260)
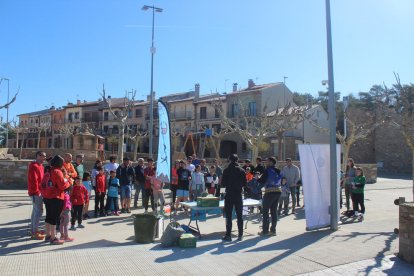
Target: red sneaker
(69, 239)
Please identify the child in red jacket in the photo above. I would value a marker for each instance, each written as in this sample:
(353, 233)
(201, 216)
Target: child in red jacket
(100, 190)
(79, 198)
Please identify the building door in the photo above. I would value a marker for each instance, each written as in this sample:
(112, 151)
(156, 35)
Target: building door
(227, 148)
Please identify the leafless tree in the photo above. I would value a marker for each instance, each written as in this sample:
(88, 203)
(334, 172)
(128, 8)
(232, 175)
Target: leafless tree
(136, 135)
(42, 127)
(120, 116)
(67, 131)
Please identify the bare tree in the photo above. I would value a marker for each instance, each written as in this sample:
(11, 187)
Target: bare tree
(136, 135)
(42, 127)
(404, 105)
(120, 116)
(67, 131)
(217, 138)
(256, 128)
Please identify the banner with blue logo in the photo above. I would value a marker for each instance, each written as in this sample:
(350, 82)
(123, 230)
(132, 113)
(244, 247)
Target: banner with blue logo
(164, 145)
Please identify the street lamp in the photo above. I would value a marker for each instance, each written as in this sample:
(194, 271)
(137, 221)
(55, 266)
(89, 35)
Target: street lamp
(151, 126)
(332, 123)
(7, 114)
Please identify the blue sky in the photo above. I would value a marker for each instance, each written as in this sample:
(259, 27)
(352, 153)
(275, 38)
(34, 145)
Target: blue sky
(57, 51)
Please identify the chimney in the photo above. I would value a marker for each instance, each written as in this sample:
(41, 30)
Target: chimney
(235, 87)
(250, 83)
(78, 102)
(197, 90)
(149, 97)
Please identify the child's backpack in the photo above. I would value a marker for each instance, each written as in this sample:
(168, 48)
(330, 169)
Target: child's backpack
(47, 188)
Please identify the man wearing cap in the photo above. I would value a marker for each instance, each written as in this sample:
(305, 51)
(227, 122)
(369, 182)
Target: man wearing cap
(126, 175)
(234, 179)
(34, 179)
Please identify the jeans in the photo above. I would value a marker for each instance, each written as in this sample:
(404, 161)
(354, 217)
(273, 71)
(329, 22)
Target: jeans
(284, 201)
(139, 188)
(111, 201)
(37, 211)
(237, 203)
(293, 195)
(270, 202)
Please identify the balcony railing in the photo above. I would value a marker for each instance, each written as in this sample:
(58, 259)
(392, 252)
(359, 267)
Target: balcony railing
(182, 115)
(208, 116)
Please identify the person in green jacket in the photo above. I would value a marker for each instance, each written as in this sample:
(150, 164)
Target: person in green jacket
(358, 185)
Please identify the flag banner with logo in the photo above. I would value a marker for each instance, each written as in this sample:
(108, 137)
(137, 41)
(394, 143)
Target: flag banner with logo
(164, 145)
(316, 181)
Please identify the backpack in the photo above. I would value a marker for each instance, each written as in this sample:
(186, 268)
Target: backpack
(273, 179)
(47, 188)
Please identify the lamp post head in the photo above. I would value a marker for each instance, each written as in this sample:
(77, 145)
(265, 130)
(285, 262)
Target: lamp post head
(145, 7)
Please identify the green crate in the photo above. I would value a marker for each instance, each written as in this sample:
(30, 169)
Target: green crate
(209, 201)
(187, 241)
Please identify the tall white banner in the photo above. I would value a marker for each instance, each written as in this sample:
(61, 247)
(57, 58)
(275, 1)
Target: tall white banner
(164, 145)
(316, 181)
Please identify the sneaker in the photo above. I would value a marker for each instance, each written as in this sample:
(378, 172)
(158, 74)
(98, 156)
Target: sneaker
(122, 211)
(116, 213)
(37, 236)
(361, 217)
(69, 239)
(293, 212)
(56, 241)
(226, 238)
(272, 233)
(72, 228)
(128, 211)
(81, 226)
(240, 238)
(262, 233)
(47, 238)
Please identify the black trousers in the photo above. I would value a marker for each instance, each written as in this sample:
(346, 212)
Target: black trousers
(231, 201)
(218, 188)
(54, 207)
(270, 203)
(77, 211)
(174, 192)
(99, 203)
(147, 196)
(358, 201)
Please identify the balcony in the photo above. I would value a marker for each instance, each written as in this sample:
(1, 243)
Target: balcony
(209, 116)
(182, 115)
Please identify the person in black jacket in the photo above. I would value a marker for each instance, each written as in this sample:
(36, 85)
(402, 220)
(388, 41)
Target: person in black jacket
(126, 175)
(139, 184)
(234, 179)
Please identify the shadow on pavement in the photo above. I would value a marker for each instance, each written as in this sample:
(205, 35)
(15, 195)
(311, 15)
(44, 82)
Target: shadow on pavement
(94, 244)
(14, 205)
(398, 267)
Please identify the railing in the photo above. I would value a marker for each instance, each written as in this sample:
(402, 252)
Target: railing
(182, 115)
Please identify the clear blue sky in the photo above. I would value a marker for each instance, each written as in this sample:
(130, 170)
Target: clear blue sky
(62, 50)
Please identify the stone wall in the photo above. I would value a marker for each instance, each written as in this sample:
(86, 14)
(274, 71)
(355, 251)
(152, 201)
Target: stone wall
(13, 174)
(406, 232)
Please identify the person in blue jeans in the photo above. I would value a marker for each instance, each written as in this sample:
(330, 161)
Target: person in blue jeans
(271, 180)
(112, 196)
(126, 175)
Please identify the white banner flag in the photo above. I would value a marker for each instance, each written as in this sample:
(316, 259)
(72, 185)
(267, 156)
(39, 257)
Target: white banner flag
(164, 145)
(316, 181)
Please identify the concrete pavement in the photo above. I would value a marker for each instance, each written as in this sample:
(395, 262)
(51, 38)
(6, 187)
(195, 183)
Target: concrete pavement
(106, 245)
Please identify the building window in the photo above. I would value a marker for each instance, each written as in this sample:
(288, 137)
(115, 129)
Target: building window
(234, 110)
(106, 116)
(138, 113)
(70, 117)
(252, 109)
(116, 113)
(216, 113)
(76, 115)
(244, 146)
(203, 112)
(105, 130)
(115, 130)
(129, 113)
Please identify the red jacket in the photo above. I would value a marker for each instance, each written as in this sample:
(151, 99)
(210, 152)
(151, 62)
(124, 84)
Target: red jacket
(59, 183)
(148, 172)
(79, 195)
(100, 183)
(34, 178)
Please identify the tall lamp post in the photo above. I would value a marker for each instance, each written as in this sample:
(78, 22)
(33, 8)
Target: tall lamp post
(7, 114)
(332, 123)
(151, 126)
(284, 90)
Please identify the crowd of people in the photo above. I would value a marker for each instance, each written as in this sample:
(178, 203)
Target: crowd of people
(64, 187)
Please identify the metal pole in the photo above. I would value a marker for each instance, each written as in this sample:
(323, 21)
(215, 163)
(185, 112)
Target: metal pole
(332, 124)
(151, 126)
